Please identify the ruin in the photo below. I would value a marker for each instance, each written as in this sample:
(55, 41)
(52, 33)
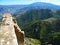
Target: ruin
(10, 33)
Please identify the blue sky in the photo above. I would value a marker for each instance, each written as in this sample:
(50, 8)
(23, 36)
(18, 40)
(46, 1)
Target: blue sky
(14, 2)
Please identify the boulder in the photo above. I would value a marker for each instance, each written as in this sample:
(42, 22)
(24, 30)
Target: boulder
(10, 33)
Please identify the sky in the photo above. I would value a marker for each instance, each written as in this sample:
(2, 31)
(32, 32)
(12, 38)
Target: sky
(14, 2)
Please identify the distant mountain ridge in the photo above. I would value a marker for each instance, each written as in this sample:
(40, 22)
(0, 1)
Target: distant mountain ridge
(20, 8)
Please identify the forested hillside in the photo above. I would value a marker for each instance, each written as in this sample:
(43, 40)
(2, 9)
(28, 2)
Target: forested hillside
(41, 24)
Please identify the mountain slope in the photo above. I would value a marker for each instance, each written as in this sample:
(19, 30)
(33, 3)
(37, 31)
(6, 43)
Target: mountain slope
(41, 24)
(13, 9)
(33, 15)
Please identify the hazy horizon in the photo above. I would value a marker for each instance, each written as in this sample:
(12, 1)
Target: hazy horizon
(26, 2)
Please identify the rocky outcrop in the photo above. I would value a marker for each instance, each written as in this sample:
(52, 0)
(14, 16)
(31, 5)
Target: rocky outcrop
(10, 33)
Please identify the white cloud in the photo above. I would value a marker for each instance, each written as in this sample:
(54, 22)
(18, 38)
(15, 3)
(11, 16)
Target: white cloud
(57, 2)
